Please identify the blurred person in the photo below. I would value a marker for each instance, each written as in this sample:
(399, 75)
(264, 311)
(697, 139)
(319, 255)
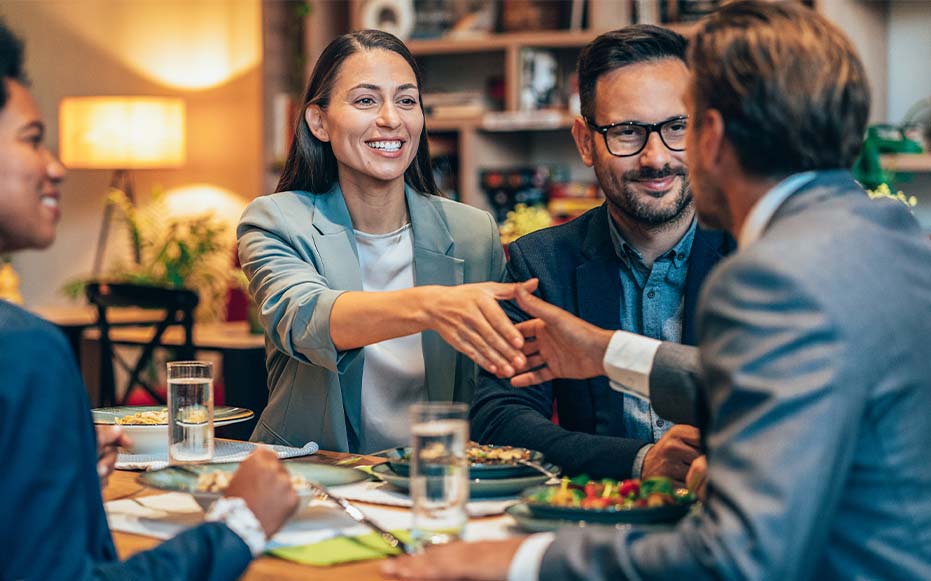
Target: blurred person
(367, 281)
(52, 519)
(816, 374)
(636, 263)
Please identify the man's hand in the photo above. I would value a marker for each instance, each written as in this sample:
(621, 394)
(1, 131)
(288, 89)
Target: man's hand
(264, 483)
(673, 454)
(697, 478)
(484, 561)
(558, 344)
(109, 440)
(469, 318)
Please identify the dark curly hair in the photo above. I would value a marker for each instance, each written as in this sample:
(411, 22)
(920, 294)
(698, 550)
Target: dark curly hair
(11, 60)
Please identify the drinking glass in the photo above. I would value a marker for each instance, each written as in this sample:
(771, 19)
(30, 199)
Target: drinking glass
(190, 412)
(439, 471)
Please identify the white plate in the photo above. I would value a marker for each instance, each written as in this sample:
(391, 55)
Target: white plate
(153, 438)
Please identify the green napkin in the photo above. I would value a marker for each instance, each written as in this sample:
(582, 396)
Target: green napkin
(340, 550)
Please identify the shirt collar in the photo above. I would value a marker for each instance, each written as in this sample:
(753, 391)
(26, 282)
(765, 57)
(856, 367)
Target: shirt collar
(679, 253)
(764, 209)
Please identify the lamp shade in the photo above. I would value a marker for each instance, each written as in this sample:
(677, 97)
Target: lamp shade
(122, 132)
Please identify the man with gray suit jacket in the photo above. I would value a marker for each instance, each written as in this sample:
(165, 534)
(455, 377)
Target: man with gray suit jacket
(812, 338)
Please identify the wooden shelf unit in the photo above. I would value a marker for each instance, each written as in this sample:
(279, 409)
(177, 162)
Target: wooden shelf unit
(480, 144)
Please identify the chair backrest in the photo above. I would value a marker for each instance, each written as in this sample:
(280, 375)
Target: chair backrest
(178, 306)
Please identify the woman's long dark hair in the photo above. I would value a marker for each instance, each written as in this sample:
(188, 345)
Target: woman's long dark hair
(311, 165)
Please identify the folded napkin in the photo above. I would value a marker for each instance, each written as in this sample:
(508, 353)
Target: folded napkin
(223, 451)
(340, 550)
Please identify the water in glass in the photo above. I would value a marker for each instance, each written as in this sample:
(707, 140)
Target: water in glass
(439, 480)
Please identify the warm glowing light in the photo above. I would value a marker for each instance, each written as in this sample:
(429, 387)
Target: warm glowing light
(122, 132)
(199, 199)
(184, 44)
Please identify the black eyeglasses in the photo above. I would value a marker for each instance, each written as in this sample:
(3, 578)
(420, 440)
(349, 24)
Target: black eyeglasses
(627, 138)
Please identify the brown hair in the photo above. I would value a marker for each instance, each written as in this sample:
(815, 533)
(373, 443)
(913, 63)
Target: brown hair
(311, 165)
(788, 83)
(639, 43)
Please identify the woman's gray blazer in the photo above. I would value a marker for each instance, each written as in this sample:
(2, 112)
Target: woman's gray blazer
(299, 253)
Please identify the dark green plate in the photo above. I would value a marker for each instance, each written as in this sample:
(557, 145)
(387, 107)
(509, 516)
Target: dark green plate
(533, 524)
(478, 487)
(399, 461)
(175, 480)
(661, 514)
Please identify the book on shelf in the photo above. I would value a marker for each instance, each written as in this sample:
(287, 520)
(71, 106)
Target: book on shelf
(454, 104)
(515, 120)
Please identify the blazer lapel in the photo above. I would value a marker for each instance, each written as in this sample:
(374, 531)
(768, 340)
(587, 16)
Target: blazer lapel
(335, 243)
(598, 286)
(433, 265)
(708, 247)
(598, 295)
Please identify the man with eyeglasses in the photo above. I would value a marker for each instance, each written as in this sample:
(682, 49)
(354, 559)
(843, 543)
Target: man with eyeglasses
(636, 263)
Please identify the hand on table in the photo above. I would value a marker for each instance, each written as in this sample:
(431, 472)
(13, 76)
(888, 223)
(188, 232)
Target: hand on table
(558, 344)
(673, 454)
(469, 318)
(109, 440)
(697, 478)
(483, 561)
(265, 484)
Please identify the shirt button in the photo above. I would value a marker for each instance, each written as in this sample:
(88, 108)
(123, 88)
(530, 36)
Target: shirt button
(681, 256)
(651, 294)
(660, 423)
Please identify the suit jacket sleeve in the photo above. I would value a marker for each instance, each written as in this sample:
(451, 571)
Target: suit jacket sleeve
(773, 363)
(293, 298)
(675, 384)
(49, 444)
(502, 414)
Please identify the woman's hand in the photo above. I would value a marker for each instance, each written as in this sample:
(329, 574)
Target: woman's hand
(469, 318)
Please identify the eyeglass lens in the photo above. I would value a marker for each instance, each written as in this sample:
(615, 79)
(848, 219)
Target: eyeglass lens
(630, 139)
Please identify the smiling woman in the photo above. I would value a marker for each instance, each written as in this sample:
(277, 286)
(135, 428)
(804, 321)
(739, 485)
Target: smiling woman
(29, 173)
(366, 279)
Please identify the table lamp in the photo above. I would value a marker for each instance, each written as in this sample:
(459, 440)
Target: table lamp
(122, 134)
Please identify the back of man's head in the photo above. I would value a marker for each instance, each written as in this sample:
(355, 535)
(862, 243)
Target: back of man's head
(620, 48)
(11, 60)
(789, 85)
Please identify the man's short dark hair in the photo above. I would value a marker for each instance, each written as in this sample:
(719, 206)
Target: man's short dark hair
(788, 83)
(639, 43)
(11, 60)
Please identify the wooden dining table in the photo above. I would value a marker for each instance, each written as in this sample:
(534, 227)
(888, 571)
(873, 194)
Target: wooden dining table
(124, 484)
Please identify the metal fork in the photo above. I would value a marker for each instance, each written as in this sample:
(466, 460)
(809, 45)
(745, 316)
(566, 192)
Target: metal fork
(358, 516)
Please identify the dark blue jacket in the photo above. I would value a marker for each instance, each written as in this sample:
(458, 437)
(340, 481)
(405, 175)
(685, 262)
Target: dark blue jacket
(578, 271)
(52, 521)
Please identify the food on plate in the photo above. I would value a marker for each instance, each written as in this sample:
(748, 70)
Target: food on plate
(476, 453)
(218, 480)
(149, 418)
(610, 494)
(479, 454)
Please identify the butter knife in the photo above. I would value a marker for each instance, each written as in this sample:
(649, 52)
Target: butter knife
(358, 516)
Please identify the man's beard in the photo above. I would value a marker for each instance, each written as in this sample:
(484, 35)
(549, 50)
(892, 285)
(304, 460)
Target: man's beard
(621, 195)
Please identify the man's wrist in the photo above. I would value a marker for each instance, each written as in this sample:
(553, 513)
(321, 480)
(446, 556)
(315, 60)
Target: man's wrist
(236, 514)
(637, 469)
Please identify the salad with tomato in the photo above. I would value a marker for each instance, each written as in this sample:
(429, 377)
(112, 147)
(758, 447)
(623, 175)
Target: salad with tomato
(607, 494)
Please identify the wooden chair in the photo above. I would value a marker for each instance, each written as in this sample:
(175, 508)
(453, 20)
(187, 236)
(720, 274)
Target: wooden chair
(178, 305)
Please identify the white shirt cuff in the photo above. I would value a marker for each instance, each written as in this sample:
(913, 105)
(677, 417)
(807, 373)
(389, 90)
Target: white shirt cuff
(628, 362)
(235, 513)
(525, 566)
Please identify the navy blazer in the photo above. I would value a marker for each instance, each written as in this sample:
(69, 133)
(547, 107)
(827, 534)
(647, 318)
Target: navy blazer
(578, 271)
(52, 521)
